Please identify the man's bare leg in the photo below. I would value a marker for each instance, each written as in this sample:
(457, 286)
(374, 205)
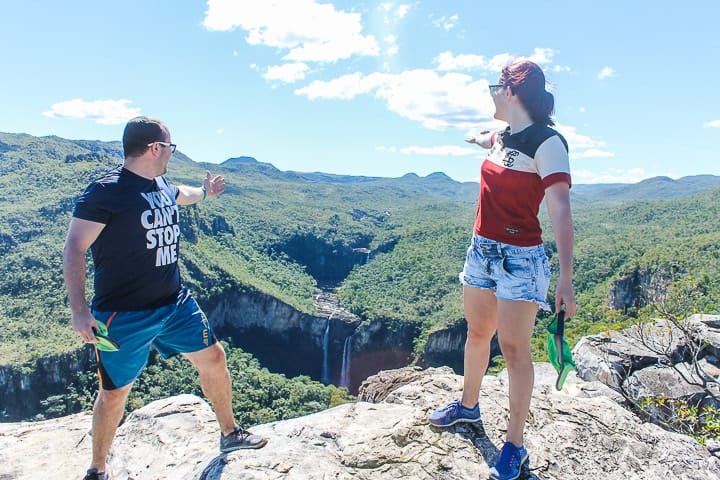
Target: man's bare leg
(215, 383)
(107, 413)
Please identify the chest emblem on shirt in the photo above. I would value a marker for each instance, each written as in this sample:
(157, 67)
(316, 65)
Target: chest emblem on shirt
(509, 159)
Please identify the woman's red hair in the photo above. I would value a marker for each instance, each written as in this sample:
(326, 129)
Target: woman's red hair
(527, 80)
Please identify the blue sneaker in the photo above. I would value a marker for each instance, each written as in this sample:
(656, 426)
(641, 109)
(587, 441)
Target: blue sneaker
(509, 464)
(454, 413)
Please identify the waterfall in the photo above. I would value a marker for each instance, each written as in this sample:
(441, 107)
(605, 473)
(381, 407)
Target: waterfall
(345, 373)
(325, 377)
(367, 259)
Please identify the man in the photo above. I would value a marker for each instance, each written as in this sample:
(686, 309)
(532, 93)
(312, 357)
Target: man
(129, 219)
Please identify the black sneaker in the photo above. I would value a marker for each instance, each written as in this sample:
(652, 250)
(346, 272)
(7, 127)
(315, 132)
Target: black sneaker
(239, 439)
(93, 474)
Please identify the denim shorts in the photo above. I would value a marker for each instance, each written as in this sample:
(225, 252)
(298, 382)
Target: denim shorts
(179, 327)
(513, 273)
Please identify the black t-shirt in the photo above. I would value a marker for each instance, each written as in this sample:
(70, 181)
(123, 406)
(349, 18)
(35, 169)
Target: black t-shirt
(136, 253)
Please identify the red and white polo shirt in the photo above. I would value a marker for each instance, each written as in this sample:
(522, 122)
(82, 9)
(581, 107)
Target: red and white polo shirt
(513, 179)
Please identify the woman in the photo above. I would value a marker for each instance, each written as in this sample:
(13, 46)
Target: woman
(506, 274)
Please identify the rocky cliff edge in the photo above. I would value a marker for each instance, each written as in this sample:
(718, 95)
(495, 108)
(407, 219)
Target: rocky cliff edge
(579, 433)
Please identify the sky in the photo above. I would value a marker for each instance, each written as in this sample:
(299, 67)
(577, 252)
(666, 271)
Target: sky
(372, 88)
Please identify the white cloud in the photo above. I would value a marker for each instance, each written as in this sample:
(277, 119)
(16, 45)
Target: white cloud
(342, 88)
(106, 112)
(446, 23)
(447, 61)
(383, 148)
(402, 10)
(615, 175)
(452, 100)
(583, 146)
(593, 153)
(440, 150)
(577, 140)
(438, 101)
(395, 12)
(606, 72)
(561, 68)
(311, 31)
(392, 46)
(541, 56)
(392, 15)
(497, 62)
(436, 151)
(288, 73)
(714, 124)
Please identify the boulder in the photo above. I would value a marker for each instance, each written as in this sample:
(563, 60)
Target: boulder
(675, 383)
(708, 327)
(610, 357)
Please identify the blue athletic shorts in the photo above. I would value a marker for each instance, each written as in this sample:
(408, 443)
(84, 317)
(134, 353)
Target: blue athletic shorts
(180, 327)
(512, 272)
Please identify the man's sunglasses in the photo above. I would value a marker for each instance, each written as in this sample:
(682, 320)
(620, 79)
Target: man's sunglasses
(172, 146)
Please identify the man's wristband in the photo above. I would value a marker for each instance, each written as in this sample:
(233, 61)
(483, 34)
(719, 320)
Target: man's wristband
(204, 192)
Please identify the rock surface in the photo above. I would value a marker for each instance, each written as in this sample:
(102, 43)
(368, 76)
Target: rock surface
(578, 433)
(653, 361)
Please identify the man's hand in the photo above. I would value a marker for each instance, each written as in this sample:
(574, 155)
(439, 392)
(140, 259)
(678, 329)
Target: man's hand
(83, 324)
(214, 186)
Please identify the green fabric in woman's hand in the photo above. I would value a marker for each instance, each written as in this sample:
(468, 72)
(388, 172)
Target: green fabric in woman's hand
(558, 349)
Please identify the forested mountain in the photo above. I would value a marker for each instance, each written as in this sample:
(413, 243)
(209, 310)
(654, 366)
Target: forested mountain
(656, 188)
(262, 234)
(270, 228)
(392, 246)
